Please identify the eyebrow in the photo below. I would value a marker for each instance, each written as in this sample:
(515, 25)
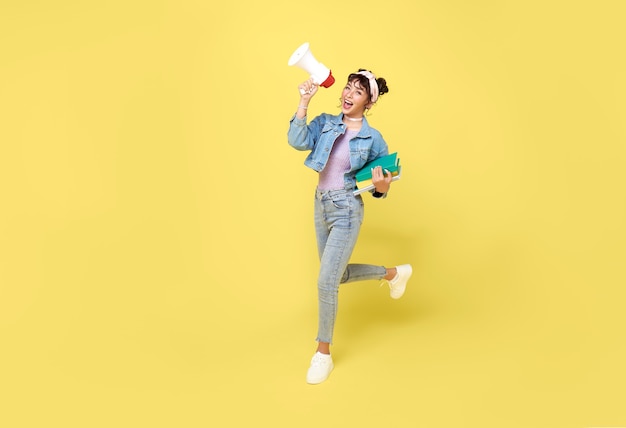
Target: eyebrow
(356, 82)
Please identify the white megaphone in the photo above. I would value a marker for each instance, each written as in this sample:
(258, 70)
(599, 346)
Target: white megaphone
(303, 58)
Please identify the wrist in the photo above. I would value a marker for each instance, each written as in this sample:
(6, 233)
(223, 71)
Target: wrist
(378, 190)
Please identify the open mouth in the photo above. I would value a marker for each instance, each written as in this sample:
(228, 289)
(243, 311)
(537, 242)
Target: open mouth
(347, 104)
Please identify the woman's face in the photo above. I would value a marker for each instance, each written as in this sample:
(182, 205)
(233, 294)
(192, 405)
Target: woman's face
(354, 99)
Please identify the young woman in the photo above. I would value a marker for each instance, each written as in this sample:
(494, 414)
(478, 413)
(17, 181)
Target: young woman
(340, 145)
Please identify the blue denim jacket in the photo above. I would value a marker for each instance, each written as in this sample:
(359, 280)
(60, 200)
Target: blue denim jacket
(320, 135)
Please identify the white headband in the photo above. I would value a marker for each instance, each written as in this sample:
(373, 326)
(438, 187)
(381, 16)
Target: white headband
(373, 84)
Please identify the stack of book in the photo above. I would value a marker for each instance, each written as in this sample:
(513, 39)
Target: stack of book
(390, 163)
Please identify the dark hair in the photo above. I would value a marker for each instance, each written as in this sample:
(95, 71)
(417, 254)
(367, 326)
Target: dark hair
(365, 82)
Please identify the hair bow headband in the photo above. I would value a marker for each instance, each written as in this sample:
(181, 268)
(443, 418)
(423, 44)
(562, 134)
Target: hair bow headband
(373, 84)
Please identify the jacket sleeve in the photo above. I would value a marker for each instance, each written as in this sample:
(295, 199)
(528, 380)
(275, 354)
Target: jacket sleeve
(302, 136)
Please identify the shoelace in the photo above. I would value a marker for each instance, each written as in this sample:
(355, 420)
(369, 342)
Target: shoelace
(318, 360)
(385, 281)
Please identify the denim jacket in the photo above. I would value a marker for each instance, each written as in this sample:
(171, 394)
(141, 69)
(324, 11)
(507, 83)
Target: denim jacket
(320, 135)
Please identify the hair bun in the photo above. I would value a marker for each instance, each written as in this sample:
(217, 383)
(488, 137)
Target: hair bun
(382, 86)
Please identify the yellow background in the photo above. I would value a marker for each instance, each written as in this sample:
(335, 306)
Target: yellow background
(157, 255)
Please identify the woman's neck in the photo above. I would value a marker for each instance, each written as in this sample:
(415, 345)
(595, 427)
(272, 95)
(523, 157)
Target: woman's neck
(353, 126)
(353, 123)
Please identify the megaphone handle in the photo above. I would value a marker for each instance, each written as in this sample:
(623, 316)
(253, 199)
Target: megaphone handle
(302, 91)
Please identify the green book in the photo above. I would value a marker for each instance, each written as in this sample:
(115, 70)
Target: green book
(390, 162)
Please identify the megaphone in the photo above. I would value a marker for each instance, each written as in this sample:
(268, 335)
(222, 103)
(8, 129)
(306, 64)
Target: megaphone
(303, 58)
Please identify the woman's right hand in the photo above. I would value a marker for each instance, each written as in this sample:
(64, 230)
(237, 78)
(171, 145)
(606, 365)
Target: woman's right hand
(307, 89)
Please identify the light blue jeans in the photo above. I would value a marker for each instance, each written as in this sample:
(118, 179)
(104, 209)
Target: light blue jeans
(338, 219)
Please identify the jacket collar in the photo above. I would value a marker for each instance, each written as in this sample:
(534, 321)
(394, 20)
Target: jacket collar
(365, 127)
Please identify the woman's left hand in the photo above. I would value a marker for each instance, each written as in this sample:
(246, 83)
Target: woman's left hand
(381, 181)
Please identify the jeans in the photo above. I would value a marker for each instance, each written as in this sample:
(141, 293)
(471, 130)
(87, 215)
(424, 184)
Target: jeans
(338, 219)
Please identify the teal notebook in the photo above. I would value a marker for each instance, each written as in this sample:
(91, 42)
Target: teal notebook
(390, 162)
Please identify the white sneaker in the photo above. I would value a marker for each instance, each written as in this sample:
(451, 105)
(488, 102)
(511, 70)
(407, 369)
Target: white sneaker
(321, 366)
(398, 284)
